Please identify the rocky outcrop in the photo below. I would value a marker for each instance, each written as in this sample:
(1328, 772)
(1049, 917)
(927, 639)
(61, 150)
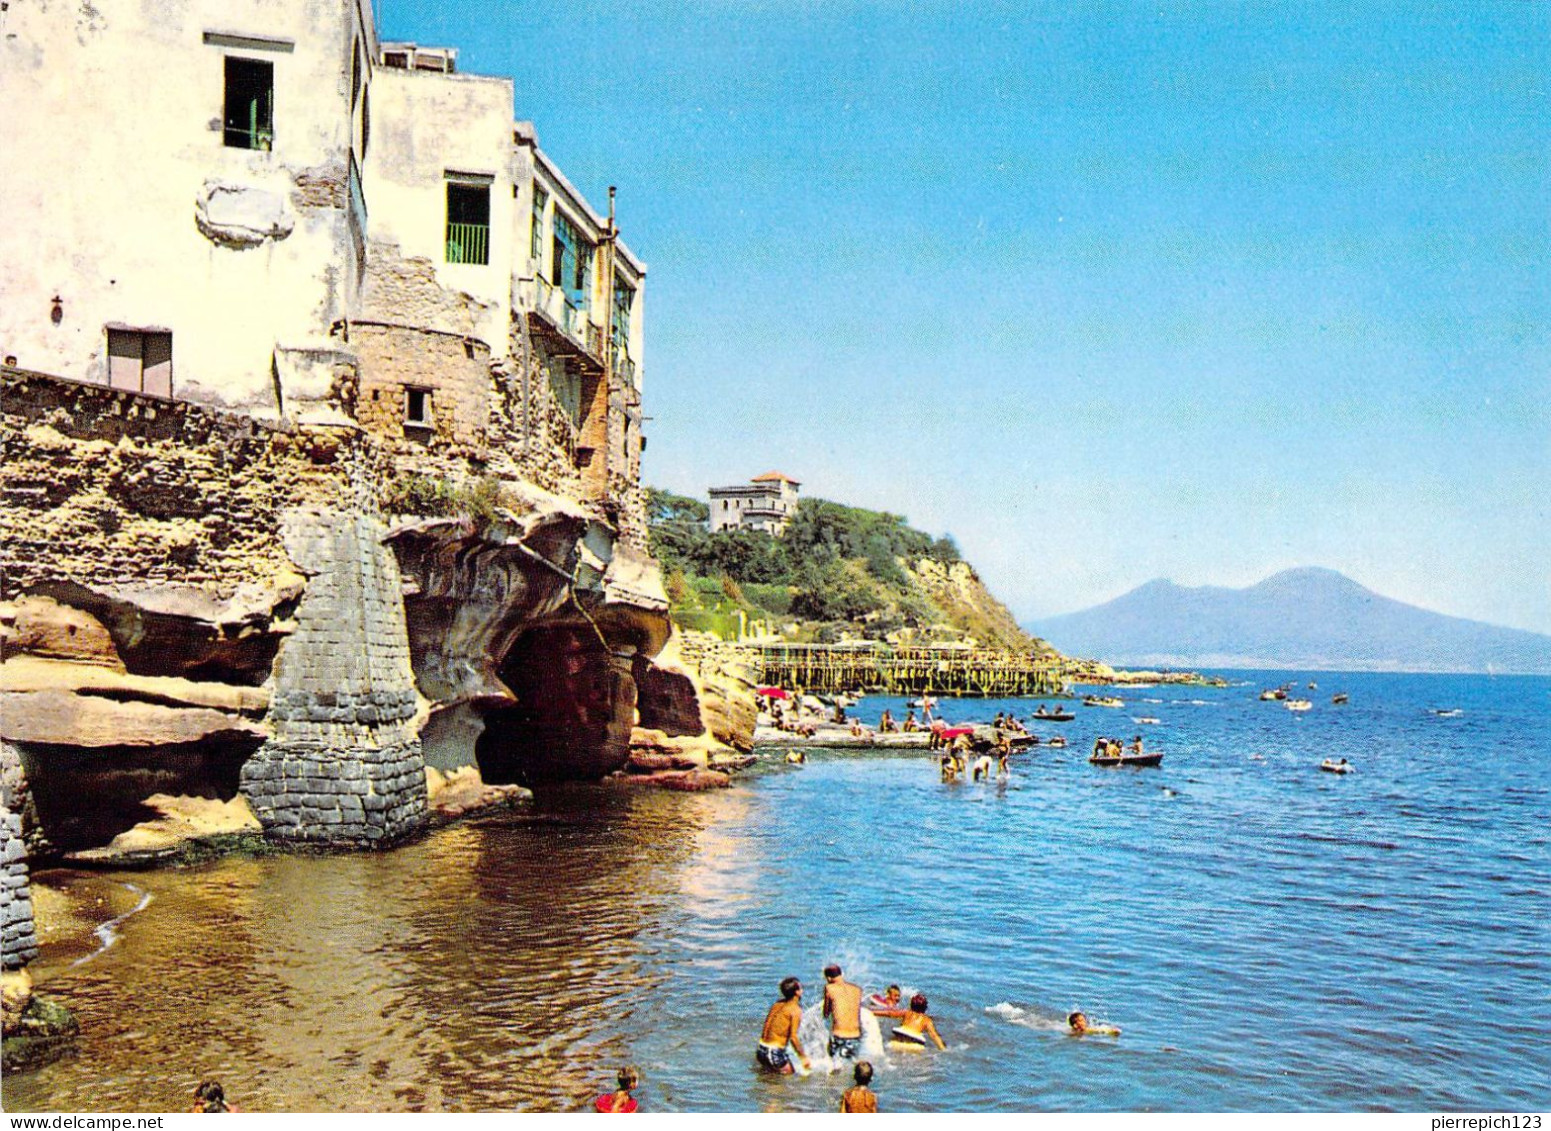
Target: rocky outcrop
(206, 622)
(968, 607)
(696, 713)
(180, 822)
(35, 1029)
(464, 793)
(524, 630)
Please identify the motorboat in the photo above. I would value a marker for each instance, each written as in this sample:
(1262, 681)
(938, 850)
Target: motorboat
(1299, 704)
(1340, 697)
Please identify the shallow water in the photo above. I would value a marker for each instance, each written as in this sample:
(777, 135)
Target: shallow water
(1267, 935)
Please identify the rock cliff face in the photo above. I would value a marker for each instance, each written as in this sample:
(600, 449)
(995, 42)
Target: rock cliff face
(197, 607)
(968, 605)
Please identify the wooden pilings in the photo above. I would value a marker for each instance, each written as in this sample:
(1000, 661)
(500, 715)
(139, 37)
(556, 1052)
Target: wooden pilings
(906, 671)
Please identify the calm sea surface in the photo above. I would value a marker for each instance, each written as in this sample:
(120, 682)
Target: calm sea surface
(1267, 935)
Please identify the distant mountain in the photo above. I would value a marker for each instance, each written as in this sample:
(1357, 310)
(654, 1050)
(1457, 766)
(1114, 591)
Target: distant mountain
(1302, 618)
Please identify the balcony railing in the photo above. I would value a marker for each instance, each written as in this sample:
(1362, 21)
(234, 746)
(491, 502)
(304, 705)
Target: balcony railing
(468, 243)
(555, 305)
(250, 137)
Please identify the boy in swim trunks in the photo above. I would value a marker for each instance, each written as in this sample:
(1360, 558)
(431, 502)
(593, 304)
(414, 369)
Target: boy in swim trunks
(781, 1030)
(860, 1098)
(843, 1007)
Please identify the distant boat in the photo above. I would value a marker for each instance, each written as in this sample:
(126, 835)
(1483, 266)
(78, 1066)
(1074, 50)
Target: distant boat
(1313, 686)
(1299, 704)
(1102, 701)
(1056, 716)
(1446, 712)
(1340, 697)
(1153, 759)
(1276, 693)
(1331, 766)
(1144, 720)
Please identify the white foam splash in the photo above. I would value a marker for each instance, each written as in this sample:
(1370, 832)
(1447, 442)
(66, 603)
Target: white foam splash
(813, 1033)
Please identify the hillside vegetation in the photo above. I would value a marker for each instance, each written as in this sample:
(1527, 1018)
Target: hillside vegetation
(838, 573)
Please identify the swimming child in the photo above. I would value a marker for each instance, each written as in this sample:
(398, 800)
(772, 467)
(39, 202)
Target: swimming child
(887, 1004)
(210, 1098)
(859, 1097)
(1078, 1021)
(912, 1032)
(621, 1102)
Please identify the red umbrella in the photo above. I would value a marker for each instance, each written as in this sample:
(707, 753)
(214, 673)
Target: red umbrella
(772, 693)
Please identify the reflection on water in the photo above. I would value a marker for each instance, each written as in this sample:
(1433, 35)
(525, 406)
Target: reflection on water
(1268, 936)
(492, 966)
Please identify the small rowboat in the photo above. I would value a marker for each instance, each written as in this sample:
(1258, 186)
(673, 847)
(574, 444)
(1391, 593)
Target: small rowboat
(1057, 741)
(1340, 697)
(1299, 705)
(1155, 759)
(1331, 766)
(1102, 701)
(1052, 717)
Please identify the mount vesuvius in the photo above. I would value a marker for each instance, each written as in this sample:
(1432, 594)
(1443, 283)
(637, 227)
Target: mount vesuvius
(1305, 618)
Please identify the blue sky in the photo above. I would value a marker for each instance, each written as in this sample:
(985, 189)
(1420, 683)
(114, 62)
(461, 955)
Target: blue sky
(1108, 291)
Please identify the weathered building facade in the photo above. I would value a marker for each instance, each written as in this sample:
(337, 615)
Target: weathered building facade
(321, 426)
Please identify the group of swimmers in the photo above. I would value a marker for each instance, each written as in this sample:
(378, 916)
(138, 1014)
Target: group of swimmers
(778, 1039)
(843, 1003)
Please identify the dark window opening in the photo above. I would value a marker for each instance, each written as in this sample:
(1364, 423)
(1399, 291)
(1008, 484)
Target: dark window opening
(468, 223)
(355, 74)
(398, 59)
(140, 361)
(417, 407)
(366, 120)
(250, 103)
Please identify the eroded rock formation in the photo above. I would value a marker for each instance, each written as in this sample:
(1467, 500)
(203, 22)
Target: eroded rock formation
(266, 640)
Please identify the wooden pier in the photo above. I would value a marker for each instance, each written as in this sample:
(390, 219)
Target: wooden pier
(882, 669)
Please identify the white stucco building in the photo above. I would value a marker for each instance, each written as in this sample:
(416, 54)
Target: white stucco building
(767, 503)
(203, 197)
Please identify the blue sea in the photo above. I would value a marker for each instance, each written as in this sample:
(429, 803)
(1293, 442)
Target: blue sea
(1266, 935)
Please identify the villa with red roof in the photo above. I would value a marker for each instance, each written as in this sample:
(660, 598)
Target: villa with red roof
(766, 502)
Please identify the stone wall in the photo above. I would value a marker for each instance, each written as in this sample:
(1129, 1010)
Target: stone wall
(110, 490)
(18, 938)
(344, 765)
(501, 416)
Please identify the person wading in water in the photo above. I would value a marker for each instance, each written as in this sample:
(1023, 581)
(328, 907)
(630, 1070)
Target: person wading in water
(781, 1030)
(843, 1007)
